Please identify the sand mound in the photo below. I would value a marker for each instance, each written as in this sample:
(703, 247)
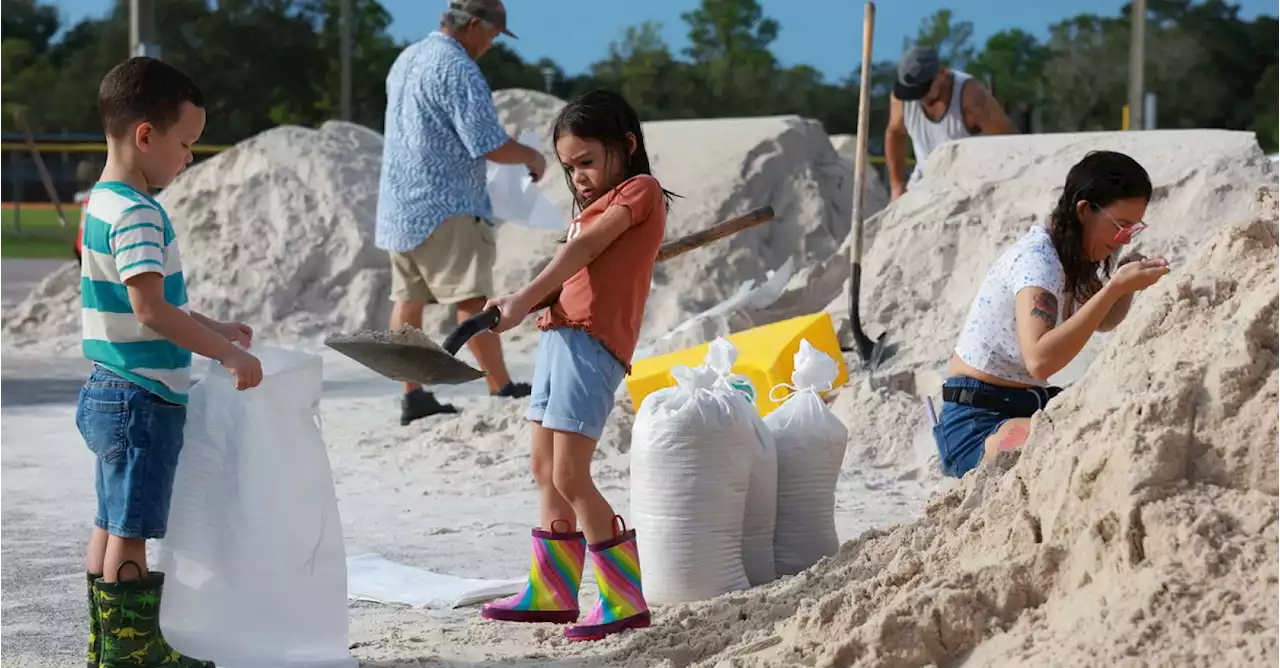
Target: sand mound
(877, 193)
(277, 232)
(927, 253)
(1140, 521)
(50, 314)
(520, 109)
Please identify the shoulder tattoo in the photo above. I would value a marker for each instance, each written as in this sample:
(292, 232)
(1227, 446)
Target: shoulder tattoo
(978, 104)
(1046, 308)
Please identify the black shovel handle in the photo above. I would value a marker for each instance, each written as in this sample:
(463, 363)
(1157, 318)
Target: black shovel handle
(482, 322)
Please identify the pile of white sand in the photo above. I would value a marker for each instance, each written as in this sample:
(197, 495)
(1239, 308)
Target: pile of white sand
(276, 232)
(1138, 526)
(876, 195)
(49, 317)
(520, 109)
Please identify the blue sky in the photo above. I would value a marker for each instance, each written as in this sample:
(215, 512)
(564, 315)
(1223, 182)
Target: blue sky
(824, 33)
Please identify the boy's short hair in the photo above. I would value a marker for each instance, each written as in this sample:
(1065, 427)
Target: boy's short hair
(144, 89)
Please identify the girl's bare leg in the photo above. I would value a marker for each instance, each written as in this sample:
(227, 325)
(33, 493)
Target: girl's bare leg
(553, 506)
(572, 477)
(1011, 435)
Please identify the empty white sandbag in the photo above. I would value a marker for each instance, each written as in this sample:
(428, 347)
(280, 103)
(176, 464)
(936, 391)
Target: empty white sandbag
(256, 570)
(810, 443)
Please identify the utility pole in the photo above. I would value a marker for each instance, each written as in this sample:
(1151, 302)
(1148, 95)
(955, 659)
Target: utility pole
(344, 59)
(1137, 33)
(142, 29)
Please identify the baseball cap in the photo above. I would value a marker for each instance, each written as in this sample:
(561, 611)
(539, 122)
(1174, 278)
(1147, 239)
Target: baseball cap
(490, 11)
(916, 71)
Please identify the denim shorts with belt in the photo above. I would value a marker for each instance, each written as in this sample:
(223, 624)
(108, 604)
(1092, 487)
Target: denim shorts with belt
(972, 411)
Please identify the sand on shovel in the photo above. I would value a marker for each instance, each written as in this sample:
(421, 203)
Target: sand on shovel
(405, 354)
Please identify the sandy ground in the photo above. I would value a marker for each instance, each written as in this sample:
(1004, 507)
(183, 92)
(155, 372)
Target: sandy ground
(418, 505)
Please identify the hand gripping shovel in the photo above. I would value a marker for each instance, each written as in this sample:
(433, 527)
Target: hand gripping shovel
(407, 355)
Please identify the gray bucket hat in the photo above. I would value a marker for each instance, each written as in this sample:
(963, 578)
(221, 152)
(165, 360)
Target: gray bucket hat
(916, 71)
(492, 12)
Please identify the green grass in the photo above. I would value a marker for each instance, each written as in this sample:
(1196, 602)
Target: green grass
(41, 235)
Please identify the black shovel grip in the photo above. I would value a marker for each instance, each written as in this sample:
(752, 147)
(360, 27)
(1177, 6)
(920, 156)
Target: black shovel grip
(482, 322)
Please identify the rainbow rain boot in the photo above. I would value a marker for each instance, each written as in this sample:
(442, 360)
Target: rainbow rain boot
(621, 605)
(555, 572)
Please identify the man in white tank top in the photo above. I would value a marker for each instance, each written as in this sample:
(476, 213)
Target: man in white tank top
(933, 105)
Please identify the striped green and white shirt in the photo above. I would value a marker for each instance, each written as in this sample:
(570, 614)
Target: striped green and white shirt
(127, 233)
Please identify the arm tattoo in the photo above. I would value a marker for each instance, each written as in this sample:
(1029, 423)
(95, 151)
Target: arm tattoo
(983, 112)
(974, 103)
(1046, 308)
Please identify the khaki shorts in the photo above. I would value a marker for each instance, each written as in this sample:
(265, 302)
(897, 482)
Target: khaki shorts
(453, 265)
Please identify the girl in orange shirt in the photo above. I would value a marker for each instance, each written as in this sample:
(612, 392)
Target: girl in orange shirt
(588, 336)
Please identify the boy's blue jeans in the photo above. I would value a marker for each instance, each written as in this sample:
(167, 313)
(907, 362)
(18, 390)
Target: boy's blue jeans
(136, 437)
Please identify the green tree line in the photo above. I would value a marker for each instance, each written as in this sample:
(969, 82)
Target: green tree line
(268, 62)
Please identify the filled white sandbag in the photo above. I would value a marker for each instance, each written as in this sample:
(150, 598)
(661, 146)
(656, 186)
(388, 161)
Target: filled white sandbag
(810, 441)
(691, 460)
(760, 513)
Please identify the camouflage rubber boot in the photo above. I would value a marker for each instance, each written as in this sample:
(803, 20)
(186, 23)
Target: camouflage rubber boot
(130, 614)
(95, 626)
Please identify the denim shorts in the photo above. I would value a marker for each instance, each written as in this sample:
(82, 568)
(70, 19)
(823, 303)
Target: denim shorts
(574, 379)
(136, 437)
(962, 430)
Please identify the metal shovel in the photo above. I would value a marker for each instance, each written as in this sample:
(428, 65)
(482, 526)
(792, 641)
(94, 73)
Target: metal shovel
(412, 358)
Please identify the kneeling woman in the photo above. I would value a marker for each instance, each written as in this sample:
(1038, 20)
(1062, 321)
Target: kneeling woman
(1038, 306)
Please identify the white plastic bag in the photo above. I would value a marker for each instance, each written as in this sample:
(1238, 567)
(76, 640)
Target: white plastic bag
(516, 198)
(255, 569)
(811, 442)
(760, 513)
(690, 470)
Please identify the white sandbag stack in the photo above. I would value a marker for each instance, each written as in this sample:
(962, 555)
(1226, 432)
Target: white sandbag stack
(762, 492)
(810, 441)
(692, 454)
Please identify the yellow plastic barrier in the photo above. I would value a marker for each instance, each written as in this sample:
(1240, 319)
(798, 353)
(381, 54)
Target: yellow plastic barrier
(766, 356)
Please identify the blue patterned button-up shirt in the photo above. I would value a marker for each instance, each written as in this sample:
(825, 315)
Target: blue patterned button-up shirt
(441, 121)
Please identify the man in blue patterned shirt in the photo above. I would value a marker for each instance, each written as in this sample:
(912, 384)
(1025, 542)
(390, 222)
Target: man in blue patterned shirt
(434, 215)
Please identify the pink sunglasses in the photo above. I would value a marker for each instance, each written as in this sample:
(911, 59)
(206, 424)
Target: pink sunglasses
(1124, 233)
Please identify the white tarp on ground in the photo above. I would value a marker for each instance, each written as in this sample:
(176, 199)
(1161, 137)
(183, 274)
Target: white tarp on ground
(370, 577)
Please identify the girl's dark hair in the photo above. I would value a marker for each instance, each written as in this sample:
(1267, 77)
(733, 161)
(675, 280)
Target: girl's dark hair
(1100, 179)
(606, 117)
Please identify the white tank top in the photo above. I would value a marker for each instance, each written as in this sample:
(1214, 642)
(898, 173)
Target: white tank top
(927, 134)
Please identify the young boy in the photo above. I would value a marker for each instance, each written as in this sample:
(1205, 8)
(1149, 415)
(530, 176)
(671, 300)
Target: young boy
(140, 336)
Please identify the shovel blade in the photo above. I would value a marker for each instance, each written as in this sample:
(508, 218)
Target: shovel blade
(407, 363)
